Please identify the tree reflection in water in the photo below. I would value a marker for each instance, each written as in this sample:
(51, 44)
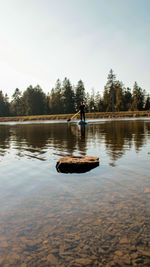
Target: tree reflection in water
(5, 135)
(69, 138)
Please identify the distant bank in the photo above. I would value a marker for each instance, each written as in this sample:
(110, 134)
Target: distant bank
(96, 115)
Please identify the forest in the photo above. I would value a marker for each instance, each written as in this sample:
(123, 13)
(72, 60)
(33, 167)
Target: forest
(65, 98)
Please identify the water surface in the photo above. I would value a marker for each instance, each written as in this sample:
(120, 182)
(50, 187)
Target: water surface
(99, 218)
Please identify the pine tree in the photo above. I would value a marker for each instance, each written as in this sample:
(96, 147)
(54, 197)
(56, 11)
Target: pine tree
(119, 101)
(109, 95)
(92, 105)
(147, 102)
(4, 105)
(99, 105)
(127, 99)
(56, 100)
(68, 97)
(7, 105)
(97, 101)
(17, 106)
(138, 97)
(79, 94)
(87, 101)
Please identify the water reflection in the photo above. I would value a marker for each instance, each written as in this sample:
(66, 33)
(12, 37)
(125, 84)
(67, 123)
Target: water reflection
(100, 218)
(118, 136)
(4, 139)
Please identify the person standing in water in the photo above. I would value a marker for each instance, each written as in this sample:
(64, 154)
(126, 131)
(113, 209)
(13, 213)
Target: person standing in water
(82, 112)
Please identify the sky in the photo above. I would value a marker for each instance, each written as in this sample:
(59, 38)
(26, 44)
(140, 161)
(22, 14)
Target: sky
(45, 40)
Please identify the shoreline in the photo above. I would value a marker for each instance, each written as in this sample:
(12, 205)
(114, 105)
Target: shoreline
(96, 115)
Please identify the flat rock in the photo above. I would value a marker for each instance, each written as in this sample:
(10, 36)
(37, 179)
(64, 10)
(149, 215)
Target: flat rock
(76, 164)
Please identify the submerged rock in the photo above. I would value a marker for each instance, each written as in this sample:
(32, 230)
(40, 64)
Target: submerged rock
(76, 164)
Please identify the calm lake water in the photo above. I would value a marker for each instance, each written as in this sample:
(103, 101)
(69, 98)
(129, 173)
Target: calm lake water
(98, 218)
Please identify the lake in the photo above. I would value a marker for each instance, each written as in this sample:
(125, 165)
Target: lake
(97, 218)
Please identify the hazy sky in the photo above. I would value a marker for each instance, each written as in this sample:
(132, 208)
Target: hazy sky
(43, 40)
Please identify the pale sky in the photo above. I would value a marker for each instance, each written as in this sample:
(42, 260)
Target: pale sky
(43, 40)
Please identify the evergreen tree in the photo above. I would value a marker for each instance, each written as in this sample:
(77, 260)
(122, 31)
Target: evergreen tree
(40, 101)
(119, 101)
(35, 101)
(92, 105)
(127, 99)
(138, 97)
(109, 95)
(7, 105)
(4, 105)
(97, 101)
(87, 101)
(68, 97)
(48, 103)
(56, 102)
(79, 93)
(64, 98)
(52, 101)
(106, 99)
(28, 97)
(16, 106)
(99, 106)
(147, 102)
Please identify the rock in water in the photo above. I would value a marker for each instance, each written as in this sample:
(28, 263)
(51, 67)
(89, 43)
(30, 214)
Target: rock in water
(76, 164)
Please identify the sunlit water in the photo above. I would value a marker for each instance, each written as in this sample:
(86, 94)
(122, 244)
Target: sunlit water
(98, 218)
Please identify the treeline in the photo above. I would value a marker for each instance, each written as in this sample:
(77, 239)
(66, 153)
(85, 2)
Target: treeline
(65, 98)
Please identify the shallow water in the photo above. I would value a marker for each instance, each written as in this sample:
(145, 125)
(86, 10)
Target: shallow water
(98, 218)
